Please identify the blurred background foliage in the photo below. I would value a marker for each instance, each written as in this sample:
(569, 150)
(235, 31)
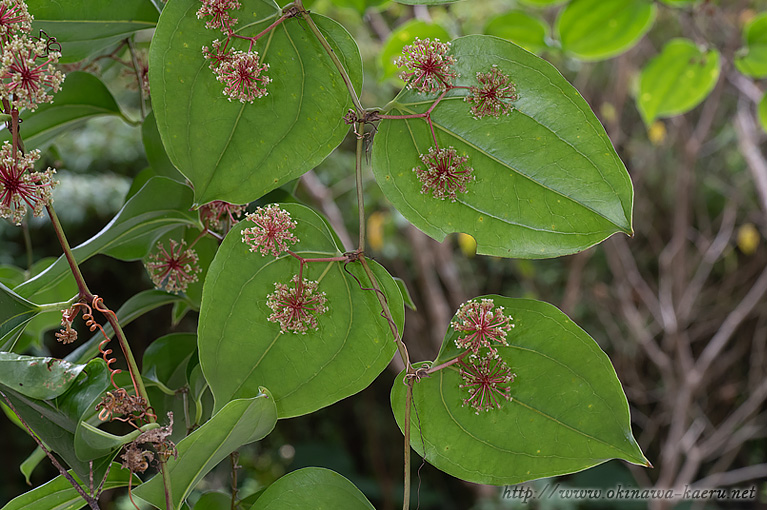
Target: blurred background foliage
(692, 276)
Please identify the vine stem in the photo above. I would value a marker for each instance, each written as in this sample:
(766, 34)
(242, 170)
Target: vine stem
(111, 317)
(332, 54)
(360, 195)
(91, 502)
(408, 407)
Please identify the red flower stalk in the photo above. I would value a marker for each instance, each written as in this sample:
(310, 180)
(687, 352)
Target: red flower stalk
(217, 54)
(241, 73)
(272, 231)
(488, 381)
(173, 270)
(492, 97)
(219, 11)
(428, 68)
(20, 187)
(483, 323)
(296, 308)
(24, 80)
(445, 174)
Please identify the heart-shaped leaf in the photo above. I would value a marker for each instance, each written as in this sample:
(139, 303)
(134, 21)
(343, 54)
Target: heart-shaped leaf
(238, 423)
(752, 59)
(547, 179)
(567, 410)
(241, 350)
(600, 29)
(312, 487)
(236, 151)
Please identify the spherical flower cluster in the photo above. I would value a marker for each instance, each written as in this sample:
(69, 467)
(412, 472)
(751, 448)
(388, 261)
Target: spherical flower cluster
(219, 12)
(493, 95)
(20, 187)
(174, 269)
(241, 74)
(428, 67)
(487, 380)
(272, 231)
(214, 214)
(445, 174)
(296, 308)
(483, 323)
(27, 72)
(14, 18)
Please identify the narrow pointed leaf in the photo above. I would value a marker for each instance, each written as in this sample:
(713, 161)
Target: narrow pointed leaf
(312, 487)
(548, 182)
(241, 350)
(600, 29)
(677, 80)
(236, 151)
(240, 422)
(161, 205)
(58, 494)
(82, 97)
(85, 27)
(14, 310)
(568, 411)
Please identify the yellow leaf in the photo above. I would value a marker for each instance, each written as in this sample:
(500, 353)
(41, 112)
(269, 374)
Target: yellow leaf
(657, 132)
(748, 238)
(375, 230)
(467, 244)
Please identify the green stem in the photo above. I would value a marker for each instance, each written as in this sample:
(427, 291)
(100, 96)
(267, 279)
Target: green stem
(332, 54)
(360, 196)
(408, 406)
(166, 483)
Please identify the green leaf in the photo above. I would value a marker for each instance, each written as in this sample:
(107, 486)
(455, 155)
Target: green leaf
(155, 152)
(241, 350)
(238, 423)
(166, 359)
(600, 29)
(92, 443)
(14, 310)
(426, 2)
(542, 3)
(82, 97)
(85, 27)
(162, 204)
(55, 421)
(405, 292)
(677, 80)
(312, 487)
(30, 463)
(521, 28)
(568, 411)
(58, 494)
(548, 181)
(403, 35)
(752, 59)
(762, 113)
(679, 3)
(214, 501)
(35, 377)
(238, 152)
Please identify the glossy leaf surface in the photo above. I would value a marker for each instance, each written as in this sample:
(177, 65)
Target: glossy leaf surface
(600, 29)
(568, 411)
(520, 28)
(677, 80)
(36, 377)
(58, 494)
(241, 350)
(312, 487)
(14, 310)
(162, 204)
(82, 96)
(238, 423)
(235, 151)
(85, 27)
(548, 181)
